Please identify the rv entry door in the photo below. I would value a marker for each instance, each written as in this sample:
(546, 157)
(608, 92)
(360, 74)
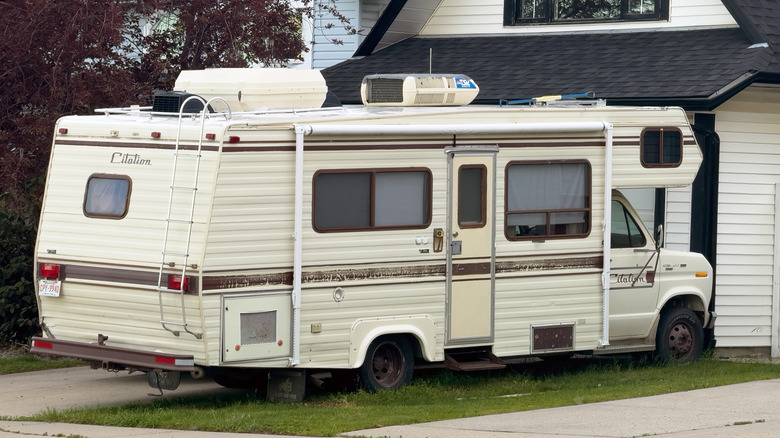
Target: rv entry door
(471, 254)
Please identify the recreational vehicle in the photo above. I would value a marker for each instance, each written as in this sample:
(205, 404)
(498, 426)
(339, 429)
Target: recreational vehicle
(225, 231)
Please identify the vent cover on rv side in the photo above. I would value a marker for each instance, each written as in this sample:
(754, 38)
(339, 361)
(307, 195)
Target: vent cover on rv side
(417, 90)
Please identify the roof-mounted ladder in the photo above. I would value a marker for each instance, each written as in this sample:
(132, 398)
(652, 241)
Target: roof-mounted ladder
(173, 253)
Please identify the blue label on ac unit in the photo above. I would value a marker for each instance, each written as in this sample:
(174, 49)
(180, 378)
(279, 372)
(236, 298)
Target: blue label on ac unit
(464, 83)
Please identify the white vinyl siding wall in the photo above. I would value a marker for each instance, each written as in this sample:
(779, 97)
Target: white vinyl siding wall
(749, 171)
(326, 50)
(463, 17)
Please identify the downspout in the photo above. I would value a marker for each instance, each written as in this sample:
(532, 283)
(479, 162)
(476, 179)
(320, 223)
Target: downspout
(300, 131)
(606, 226)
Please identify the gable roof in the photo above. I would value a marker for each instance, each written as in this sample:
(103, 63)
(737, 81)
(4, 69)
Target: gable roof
(696, 69)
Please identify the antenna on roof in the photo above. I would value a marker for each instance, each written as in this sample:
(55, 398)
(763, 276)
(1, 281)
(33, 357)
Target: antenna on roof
(542, 99)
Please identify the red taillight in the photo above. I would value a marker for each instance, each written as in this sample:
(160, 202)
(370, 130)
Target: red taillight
(50, 271)
(211, 136)
(63, 130)
(174, 282)
(165, 360)
(156, 134)
(234, 139)
(43, 344)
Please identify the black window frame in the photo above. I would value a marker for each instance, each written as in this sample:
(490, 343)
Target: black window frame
(372, 172)
(588, 201)
(512, 16)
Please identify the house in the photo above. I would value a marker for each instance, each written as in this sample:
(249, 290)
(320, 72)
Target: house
(719, 60)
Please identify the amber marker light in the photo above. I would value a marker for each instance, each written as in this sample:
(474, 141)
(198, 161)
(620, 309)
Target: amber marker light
(701, 275)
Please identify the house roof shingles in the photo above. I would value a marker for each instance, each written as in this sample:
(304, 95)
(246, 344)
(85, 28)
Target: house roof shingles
(633, 66)
(697, 69)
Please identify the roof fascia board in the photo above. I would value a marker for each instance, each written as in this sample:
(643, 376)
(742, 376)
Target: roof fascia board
(381, 27)
(744, 21)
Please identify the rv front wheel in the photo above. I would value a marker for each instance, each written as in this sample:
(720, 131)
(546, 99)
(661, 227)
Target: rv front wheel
(389, 364)
(680, 337)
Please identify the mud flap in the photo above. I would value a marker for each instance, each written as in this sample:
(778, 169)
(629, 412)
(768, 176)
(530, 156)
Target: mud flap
(286, 385)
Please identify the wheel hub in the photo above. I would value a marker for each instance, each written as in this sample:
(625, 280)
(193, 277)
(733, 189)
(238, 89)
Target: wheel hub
(680, 340)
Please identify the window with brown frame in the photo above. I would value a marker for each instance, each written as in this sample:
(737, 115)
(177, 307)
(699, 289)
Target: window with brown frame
(472, 187)
(358, 200)
(661, 147)
(107, 196)
(547, 199)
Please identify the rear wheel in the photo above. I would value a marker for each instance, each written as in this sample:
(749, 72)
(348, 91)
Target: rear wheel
(389, 364)
(680, 337)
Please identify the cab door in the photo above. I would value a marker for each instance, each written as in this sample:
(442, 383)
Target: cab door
(633, 274)
(471, 254)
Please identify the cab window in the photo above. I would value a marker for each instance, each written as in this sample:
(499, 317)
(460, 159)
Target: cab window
(625, 231)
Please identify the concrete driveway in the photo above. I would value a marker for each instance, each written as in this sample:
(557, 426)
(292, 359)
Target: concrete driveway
(30, 393)
(745, 410)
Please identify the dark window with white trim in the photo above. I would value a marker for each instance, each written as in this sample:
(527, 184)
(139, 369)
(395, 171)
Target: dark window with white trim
(107, 196)
(355, 200)
(547, 200)
(661, 147)
(566, 11)
(625, 231)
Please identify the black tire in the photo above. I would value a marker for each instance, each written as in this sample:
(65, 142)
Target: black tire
(680, 337)
(389, 364)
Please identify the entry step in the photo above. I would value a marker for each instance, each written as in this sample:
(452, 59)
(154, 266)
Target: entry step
(473, 360)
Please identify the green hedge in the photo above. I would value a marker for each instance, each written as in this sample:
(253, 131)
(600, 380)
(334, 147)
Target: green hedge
(18, 309)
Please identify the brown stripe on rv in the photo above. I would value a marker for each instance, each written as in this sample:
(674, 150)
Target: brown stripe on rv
(186, 147)
(550, 264)
(114, 275)
(339, 275)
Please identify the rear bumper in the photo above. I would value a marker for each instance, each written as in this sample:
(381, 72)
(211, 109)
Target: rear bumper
(113, 358)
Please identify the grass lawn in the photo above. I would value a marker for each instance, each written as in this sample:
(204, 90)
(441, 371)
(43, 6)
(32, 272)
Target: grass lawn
(18, 360)
(432, 396)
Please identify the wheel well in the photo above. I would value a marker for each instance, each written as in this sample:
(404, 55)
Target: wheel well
(414, 342)
(688, 301)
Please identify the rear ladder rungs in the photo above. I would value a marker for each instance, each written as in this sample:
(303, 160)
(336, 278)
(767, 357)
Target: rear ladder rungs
(192, 189)
(180, 221)
(175, 254)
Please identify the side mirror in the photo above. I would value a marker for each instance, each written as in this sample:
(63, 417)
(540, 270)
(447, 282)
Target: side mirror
(659, 237)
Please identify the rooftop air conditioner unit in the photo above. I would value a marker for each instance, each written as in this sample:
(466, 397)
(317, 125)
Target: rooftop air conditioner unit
(417, 90)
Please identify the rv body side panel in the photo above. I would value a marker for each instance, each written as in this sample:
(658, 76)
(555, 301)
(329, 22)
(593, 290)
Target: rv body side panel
(110, 262)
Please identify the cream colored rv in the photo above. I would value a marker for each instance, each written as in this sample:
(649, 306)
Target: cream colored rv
(255, 237)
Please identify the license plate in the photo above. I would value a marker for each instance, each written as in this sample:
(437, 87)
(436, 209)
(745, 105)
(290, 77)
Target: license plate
(49, 288)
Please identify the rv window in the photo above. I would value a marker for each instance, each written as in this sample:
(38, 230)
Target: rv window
(107, 196)
(625, 231)
(368, 200)
(472, 184)
(661, 147)
(547, 200)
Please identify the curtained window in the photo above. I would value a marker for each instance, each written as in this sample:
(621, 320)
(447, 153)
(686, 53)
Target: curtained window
(107, 196)
(547, 199)
(367, 200)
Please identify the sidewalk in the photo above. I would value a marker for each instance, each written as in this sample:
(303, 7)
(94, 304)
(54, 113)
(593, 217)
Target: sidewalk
(744, 410)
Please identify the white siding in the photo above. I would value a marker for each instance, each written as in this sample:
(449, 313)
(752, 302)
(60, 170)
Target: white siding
(678, 219)
(326, 49)
(487, 17)
(749, 169)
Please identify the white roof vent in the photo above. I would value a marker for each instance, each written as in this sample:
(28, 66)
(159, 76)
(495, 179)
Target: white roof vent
(417, 90)
(248, 89)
